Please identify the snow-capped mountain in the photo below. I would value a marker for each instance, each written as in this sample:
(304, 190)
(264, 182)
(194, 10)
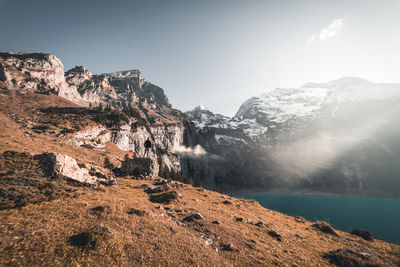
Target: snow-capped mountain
(322, 136)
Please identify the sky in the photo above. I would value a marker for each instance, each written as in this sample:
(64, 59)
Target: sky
(216, 53)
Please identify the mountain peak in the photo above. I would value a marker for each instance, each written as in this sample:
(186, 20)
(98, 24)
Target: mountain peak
(135, 73)
(350, 80)
(201, 107)
(343, 82)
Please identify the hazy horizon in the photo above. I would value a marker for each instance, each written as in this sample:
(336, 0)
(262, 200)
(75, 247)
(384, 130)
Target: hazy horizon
(213, 53)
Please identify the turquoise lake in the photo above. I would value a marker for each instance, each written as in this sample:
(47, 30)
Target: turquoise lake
(379, 216)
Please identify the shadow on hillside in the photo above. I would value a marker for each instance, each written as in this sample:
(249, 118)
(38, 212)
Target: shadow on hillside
(68, 110)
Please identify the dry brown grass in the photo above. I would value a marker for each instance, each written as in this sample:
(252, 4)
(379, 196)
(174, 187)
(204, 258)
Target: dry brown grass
(22, 182)
(41, 234)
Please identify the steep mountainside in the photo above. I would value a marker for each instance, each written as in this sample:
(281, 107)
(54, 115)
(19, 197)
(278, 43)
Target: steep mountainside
(339, 137)
(135, 109)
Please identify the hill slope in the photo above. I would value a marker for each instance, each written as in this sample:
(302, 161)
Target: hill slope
(120, 226)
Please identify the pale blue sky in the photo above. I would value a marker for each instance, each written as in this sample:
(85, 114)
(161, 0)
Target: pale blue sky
(215, 53)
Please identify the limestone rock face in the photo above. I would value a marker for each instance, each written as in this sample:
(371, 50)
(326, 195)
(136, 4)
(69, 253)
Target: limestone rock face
(139, 167)
(148, 111)
(41, 72)
(55, 164)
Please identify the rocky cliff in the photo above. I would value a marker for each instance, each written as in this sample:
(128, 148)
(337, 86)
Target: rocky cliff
(137, 108)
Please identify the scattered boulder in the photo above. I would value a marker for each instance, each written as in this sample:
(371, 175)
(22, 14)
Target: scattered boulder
(299, 219)
(239, 219)
(142, 186)
(275, 235)
(101, 209)
(158, 189)
(160, 181)
(171, 183)
(136, 212)
(227, 202)
(153, 189)
(139, 167)
(349, 257)
(90, 239)
(260, 224)
(325, 228)
(55, 164)
(83, 240)
(104, 176)
(227, 247)
(216, 222)
(193, 217)
(165, 197)
(99, 229)
(363, 234)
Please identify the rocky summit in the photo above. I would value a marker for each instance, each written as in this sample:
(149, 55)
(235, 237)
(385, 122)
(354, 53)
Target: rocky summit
(77, 186)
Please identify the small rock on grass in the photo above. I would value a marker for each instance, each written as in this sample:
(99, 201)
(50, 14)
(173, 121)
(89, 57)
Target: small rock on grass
(101, 209)
(193, 217)
(325, 228)
(363, 234)
(136, 212)
(228, 247)
(165, 197)
(349, 257)
(260, 224)
(299, 219)
(100, 229)
(275, 235)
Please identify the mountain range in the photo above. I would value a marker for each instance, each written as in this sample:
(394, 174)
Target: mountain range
(76, 189)
(335, 137)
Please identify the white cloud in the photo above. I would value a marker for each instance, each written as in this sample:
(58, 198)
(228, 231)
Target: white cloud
(327, 33)
(191, 152)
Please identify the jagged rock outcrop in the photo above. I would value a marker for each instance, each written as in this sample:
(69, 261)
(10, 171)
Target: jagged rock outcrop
(139, 168)
(55, 164)
(41, 72)
(147, 111)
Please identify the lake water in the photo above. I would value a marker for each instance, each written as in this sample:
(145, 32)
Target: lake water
(379, 216)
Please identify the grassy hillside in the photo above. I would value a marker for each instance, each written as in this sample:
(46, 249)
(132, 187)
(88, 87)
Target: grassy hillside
(119, 225)
(50, 222)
